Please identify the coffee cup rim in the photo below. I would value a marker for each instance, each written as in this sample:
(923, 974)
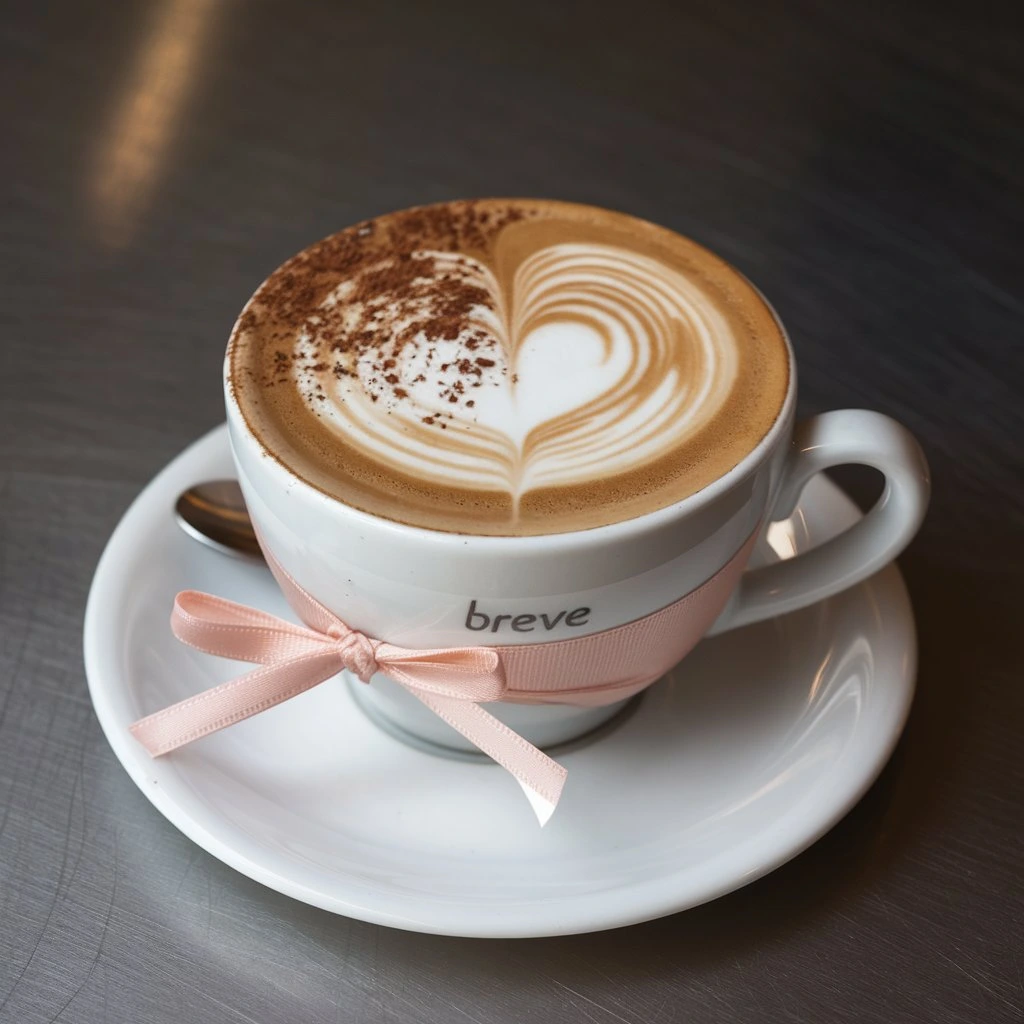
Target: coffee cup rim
(579, 540)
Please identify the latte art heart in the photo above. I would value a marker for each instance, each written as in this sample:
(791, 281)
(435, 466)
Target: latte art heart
(598, 359)
(508, 367)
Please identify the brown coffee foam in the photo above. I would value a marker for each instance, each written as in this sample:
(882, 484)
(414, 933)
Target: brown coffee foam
(500, 233)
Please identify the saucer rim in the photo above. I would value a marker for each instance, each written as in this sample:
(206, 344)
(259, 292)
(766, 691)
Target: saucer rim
(584, 914)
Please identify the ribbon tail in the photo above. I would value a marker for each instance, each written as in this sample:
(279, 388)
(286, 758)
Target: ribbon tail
(542, 808)
(224, 705)
(540, 777)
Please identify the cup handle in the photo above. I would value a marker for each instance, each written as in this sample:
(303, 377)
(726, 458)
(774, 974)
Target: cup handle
(836, 439)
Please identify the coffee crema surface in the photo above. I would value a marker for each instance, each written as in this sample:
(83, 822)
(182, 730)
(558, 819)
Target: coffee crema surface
(508, 367)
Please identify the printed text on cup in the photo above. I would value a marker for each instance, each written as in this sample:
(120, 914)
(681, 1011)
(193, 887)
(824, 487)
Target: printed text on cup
(525, 623)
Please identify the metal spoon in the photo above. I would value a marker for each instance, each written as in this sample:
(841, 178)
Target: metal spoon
(214, 514)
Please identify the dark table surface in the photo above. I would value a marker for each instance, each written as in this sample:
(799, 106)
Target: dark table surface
(862, 163)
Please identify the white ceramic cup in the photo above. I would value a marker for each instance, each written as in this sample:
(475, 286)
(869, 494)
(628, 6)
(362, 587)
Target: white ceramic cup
(418, 588)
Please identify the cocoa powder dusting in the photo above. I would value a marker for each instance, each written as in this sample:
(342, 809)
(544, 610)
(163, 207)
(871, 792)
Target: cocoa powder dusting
(391, 293)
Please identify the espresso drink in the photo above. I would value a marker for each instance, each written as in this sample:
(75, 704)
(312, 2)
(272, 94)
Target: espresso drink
(508, 367)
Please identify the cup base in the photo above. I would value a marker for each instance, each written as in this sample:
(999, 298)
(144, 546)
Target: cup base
(547, 726)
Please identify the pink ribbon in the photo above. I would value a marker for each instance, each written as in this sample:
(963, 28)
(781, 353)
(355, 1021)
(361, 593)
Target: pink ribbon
(450, 681)
(591, 670)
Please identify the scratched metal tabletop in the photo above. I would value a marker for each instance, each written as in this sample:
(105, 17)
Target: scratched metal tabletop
(862, 163)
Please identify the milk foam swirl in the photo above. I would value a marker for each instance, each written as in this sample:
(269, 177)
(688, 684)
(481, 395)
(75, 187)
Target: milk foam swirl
(601, 360)
(507, 366)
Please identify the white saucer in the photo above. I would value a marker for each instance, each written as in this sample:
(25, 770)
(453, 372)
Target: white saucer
(741, 758)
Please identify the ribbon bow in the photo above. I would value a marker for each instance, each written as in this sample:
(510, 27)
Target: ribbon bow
(450, 681)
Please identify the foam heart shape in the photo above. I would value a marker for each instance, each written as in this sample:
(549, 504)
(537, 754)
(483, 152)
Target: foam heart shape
(590, 360)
